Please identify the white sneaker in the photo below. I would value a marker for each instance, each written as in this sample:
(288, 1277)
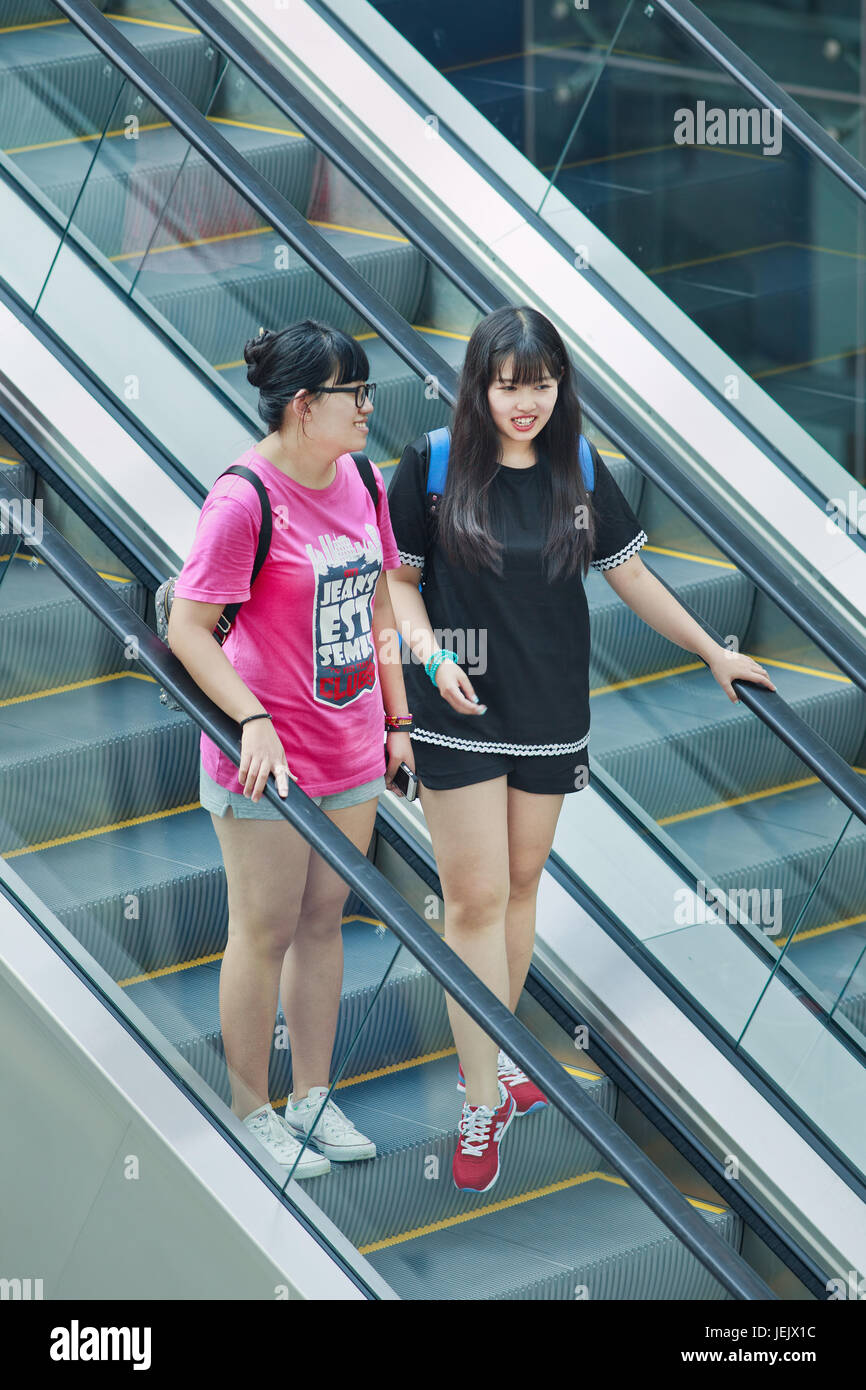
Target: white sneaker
(335, 1135)
(273, 1133)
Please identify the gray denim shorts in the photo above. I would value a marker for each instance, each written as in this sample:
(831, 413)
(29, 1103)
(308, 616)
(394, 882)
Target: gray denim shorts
(218, 800)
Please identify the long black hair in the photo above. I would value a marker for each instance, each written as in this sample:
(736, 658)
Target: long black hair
(300, 358)
(465, 522)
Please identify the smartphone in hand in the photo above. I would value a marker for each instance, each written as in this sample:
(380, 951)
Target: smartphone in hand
(406, 782)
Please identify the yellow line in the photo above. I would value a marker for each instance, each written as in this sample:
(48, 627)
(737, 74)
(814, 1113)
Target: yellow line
(76, 685)
(804, 670)
(184, 245)
(441, 333)
(253, 125)
(831, 926)
(34, 559)
(12, 463)
(644, 680)
(812, 362)
(154, 24)
(169, 970)
(359, 231)
(36, 24)
(82, 139)
(101, 830)
(724, 256)
(736, 801)
(687, 555)
(511, 1202)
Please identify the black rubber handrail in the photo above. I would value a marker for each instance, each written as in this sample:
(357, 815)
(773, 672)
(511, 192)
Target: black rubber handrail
(426, 946)
(255, 188)
(766, 573)
(823, 760)
(746, 72)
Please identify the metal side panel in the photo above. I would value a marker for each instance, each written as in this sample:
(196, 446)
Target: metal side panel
(679, 1062)
(117, 1185)
(636, 374)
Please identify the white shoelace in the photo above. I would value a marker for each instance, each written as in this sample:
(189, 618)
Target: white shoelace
(337, 1125)
(509, 1071)
(268, 1129)
(475, 1130)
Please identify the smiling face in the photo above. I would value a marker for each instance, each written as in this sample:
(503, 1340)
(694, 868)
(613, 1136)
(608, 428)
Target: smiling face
(520, 410)
(333, 422)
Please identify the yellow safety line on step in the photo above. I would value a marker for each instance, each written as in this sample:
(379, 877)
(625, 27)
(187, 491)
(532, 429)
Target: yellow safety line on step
(644, 680)
(34, 560)
(76, 685)
(100, 830)
(686, 555)
(512, 1202)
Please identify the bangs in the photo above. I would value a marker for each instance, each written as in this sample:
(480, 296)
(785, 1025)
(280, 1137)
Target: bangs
(529, 363)
(349, 359)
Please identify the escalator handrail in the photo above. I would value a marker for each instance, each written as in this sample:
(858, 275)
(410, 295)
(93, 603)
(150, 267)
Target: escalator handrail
(772, 710)
(810, 615)
(425, 945)
(744, 70)
(267, 201)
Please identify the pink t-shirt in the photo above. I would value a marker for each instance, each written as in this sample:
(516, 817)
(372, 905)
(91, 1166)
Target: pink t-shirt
(303, 640)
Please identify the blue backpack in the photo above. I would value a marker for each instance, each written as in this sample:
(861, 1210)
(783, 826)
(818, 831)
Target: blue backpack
(439, 446)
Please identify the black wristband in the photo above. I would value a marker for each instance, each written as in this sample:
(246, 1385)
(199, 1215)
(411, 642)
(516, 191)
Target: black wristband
(242, 722)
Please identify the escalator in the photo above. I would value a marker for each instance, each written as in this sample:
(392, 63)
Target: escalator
(125, 857)
(625, 113)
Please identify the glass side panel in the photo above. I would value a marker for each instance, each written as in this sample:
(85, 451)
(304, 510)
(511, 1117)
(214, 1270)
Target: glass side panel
(100, 819)
(752, 237)
(199, 261)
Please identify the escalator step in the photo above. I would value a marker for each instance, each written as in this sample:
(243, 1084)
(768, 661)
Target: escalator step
(677, 743)
(55, 85)
(63, 641)
(219, 295)
(93, 756)
(155, 191)
(411, 1114)
(594, 1239)
(407, 1019)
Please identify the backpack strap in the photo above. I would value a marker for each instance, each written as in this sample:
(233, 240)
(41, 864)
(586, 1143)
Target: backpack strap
(230, 612)
(365, 468)
(439, 444)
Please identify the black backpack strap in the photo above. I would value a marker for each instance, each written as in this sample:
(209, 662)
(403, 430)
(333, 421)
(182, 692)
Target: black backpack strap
(365, 468)
(231, 610)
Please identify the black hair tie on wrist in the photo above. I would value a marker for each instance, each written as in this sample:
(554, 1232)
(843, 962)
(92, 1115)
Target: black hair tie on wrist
(242, 722)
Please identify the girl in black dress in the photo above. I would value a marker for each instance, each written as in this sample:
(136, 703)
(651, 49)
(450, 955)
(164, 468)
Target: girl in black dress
(502, 555)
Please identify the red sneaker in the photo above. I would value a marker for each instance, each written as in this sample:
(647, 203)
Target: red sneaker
(476, 1162)
(527, 1096)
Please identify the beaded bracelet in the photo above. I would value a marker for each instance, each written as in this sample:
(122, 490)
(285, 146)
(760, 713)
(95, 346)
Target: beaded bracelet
(431, 666)
(396, 722)
(250, 717)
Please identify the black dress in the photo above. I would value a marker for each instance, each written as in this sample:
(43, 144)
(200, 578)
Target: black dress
(522, 640)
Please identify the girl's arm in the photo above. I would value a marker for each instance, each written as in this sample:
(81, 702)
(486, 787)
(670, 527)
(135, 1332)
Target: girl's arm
(190, 637)
(645, 595)
(391, 676)
(413, 624)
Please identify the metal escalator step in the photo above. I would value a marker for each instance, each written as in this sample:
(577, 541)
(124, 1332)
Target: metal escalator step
(140, 897)
(624, 647)
(218, 295)
(55, 85)
(678, 743)
(835, 963)
(20, 475)
(785, 839)
(412, 1116)
(93, 756)
(408, 1018)
(36, 11)
(47, 636)
(146, 192)
(594, 1239)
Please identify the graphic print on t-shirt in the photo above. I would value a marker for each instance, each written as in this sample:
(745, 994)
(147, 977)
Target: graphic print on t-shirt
(344, 660)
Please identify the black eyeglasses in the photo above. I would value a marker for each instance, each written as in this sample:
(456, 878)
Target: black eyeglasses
(366, 392)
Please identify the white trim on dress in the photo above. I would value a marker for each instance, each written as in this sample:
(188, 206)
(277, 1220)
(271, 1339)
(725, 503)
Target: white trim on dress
(407, 559)
(622, 555)
(472, 745)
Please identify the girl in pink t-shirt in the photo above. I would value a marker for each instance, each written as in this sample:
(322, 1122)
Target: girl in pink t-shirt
(305, 674)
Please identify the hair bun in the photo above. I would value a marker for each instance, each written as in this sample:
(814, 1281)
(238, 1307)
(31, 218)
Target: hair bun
(255, 353)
